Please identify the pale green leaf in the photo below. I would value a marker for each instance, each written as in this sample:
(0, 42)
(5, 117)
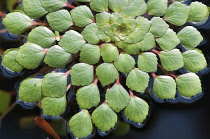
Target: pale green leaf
(82, 74)
(88, 96)
(188, 84)
(171, 60)
(101, 35)
(148, 42)
(89, 33)
(133, 48)
(194, 61)
(134, 37)
(99, 5)
(143, 24)
(117, 5)
(124, 63)
(54, 85)
(164, 87)
(72, 41)
(147, 62)
(158, 27)
(137, 80)
(30, 90)
(103, 19)
(157, 7)
(127, 13)
(104, 117)
(137, 110)
(90, 54)
(117, 97)
(106, 73)
(138, 6)
(53, 5)
(81, 125)
(109, 52)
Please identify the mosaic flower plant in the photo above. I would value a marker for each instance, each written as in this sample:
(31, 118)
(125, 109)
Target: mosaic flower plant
(114, 45)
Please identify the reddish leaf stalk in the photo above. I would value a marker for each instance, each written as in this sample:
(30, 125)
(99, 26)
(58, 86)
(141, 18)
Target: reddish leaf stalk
(67, 73)
(105, 102)
(156, 51)
(70, 6)
(95, 81)
(131, 93)
(39, 23)
(153, 75)
(174, 76)
(118, 80)
(2, 15)
(45, 50)
(68, 87)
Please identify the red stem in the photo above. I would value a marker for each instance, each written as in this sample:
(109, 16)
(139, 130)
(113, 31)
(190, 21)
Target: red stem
(38, 23)
(118, 80)
(68, 87)
(131, 93)
(70, 6)
(67, 73)
(105, 102)
(174, 76)
(45, 50)
(95, 81)
(156, 51)
(153, 75)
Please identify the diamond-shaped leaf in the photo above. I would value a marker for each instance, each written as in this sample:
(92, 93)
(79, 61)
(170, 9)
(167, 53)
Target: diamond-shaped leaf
(88, 96)
(190, 37)
(30, 90)
(17, 23)
(177, 13)
(82, 74)
(57, 57)
(137, 110)
(9, 60)
(117, 5)
(89, 33)
(53, 106)
(99, 5)
(158, 27)
(194, 61)
(143, 24)
(53, 5)
(147, 62)
(33, 8)
(104, 117)
(198, 12)
(72, 41)
(4, 101)
(106, 73)
(109, 52)
(41, 36)
(188, 84)
(124, 63)
(171, 60)
(148, 42)
(117, 97)
(30, 55)
(168, 41)
(54, 85)
(82, 16)
(137, 80)
(81, 125)
(138, 6)
(164, 87)
(90, 54)
(60, 20)
(157, 7)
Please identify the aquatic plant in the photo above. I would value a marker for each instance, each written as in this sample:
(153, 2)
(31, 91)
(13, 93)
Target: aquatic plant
(111, 46)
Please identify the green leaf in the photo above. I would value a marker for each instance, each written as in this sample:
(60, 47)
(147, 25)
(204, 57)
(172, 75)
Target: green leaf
(72, 41)
(104, 117)
(117, 97)
(137, 110)
(101, 35)
(17, 23)
(82, 74)
(4, 101)
(148, 42)
(30, 55)
(143, 24)
(157, 7)
(133, 48)
(99, 5)
(53, 5)
(90, 54)
(81, 125)
(103, 19)
(168, 41)
(147, 62)
(57, 57)
(33, 8)
(106, 73)
(89, 33)
(53, 106)
(124, 63)
(164, 87)
(198, 12)
(9, 60)
(134, 37)
(171, 60)
(88, 96)
(138, 6)
(158, 27)
(190, 37)
(177, 13)
(118, 5)
(42, 36)
(127, 13)
(188, 84)
(109, 52)
(30, 90)
(122, 45)
(82, 16)
(194, 61)
(60, 20)
(54, 85)
(137, 80)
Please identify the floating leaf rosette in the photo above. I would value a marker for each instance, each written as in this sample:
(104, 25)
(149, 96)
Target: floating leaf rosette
(113, 50)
